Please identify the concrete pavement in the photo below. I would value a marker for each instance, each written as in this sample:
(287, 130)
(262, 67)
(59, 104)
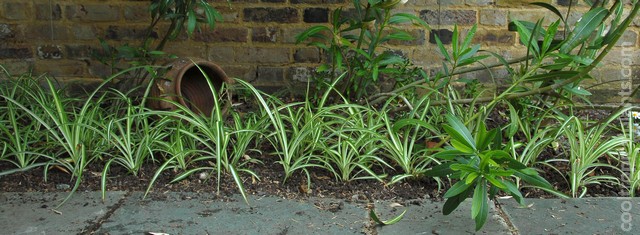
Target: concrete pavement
(204, 213)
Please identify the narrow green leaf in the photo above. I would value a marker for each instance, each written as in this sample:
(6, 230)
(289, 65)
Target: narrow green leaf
(514, 122)
(441, 170)
(449, 154)
(311, 32)
(549, 7)
(513, 190)
(454, 43)
(459, 131)
(394, 220)
(191, 22)
(552, 76)
(535, 180)
(456, 189)
(583, 29)
(469, 37)
(443, 50)
(480, 205)
(452, 203)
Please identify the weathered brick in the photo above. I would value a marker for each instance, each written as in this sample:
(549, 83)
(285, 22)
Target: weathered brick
(491, 77)
(263, 55)
(433, 59)
(275, 1)
(42, 31)
(435, 3)
(227, 34)
(264, 34)
(566, 2)
(449, 17)
(136, 13)
(532, 15)
(480, 2)
(6, 31)
(270, 75)
(15, 53)
(229, 15)
(126, 33)
(99, 70)
(317, 1)
(243, 1)
(16, 10)
(517, 3)
(625, 56)
(306, 55)
(244, 72)
(85, 32)
(93, 12)
(185, 50)
(276, 15)
(316, 15)
(48, 12)
(444, 35)
(493, 17)
(289, 34)
(629, 38)
(16, 66)
(78, 51)
(222, 54)
(300, 74)
(494, 37)
(61, 68)
(49, 52)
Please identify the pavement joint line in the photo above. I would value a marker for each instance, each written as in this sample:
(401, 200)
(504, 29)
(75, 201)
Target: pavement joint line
(512, 227)
(94, 227)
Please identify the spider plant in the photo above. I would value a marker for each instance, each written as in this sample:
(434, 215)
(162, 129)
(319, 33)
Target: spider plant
(213, 136)
(133, 138)
(296, 133)
(351, 150)
(18, 133)
(70, 127)
(587, 147)
(630, 155)
(402, 145)
(246, 139)
(181, 151)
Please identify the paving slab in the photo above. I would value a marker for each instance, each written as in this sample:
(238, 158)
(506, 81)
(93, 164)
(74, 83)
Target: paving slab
(202, 213)
(35, 212)
(425, 217)
(575, 216)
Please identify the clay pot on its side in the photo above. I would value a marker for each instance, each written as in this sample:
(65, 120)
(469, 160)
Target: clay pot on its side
(184, 83)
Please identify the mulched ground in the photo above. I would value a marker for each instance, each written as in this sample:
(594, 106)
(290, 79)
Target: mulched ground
(270, 183)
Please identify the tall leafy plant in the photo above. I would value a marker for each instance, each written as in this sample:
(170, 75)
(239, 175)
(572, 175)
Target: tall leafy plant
(482, 168)
(354, 46)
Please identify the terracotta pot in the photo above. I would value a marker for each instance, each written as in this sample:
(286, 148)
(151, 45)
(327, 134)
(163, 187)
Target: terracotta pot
(184, 83)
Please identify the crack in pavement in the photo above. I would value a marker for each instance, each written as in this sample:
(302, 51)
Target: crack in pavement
(93, 227)
(512, 228)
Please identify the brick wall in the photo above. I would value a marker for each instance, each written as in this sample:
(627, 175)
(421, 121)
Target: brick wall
(256, 40)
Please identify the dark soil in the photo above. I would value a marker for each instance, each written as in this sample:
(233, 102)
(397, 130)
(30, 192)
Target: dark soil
(270, 183)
